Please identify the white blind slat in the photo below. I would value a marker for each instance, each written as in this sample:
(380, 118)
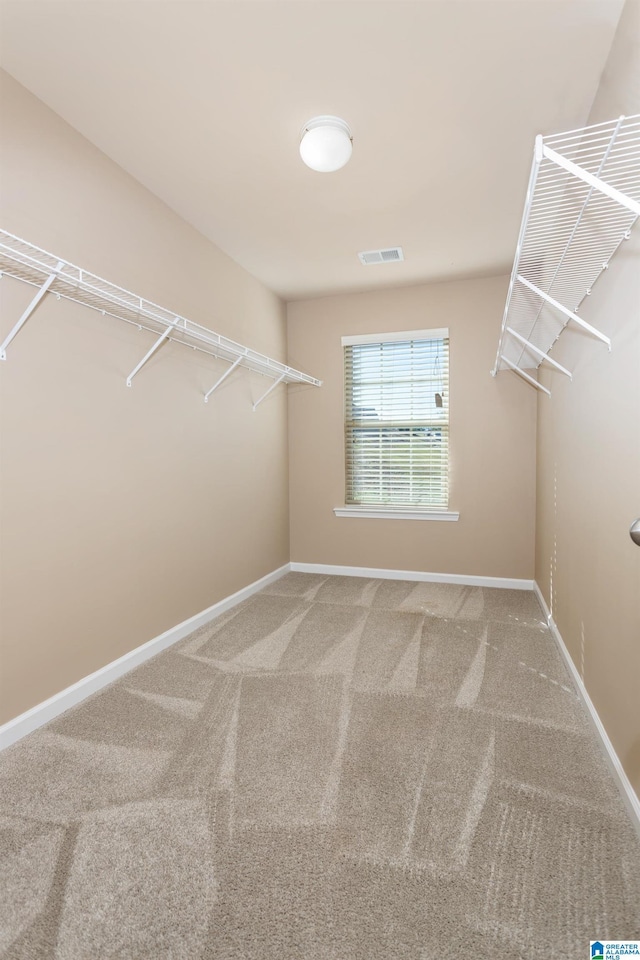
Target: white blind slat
(397, 421)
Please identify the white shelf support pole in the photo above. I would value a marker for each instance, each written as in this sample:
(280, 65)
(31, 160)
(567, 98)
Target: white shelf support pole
(27, 313)
(540, 353)
(272, 387)
(594, 182)
(161, 339)
(572, 316)
(526, 376)
(223, 377)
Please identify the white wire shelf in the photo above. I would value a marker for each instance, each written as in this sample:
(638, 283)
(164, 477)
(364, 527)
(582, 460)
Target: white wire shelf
(51, 274)
(582, 202)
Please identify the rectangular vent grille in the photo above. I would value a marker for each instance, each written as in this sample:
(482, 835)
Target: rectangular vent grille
(389, 255)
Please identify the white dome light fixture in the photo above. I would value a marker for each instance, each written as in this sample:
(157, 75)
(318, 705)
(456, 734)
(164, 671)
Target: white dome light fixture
(326, 144)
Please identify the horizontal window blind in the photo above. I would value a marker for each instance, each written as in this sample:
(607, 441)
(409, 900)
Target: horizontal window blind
(397, 421)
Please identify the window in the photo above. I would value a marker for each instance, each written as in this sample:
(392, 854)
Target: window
(397, 421)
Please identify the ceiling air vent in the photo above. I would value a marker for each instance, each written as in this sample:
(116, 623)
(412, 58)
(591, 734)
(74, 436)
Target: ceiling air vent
(389, 255)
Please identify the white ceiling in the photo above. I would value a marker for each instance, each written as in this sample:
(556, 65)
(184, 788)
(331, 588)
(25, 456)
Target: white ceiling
(203, 103)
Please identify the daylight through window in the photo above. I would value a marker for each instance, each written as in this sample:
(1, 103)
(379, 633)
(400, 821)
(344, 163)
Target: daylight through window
(397, 418)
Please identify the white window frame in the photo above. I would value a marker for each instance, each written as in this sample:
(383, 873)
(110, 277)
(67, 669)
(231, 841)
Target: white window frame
(393, 511)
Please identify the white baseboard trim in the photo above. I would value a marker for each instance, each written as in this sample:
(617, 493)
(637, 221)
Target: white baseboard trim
(42, 713)
(628, 793)
(378, 574)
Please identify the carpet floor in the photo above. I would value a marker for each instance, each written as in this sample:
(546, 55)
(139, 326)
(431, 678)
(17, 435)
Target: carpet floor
(337, 769)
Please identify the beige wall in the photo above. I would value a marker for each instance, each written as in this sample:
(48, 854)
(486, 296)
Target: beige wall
(589, 465)
(492, 437)
(124, 511)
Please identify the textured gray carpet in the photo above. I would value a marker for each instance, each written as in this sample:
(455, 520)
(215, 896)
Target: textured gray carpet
(338, 768)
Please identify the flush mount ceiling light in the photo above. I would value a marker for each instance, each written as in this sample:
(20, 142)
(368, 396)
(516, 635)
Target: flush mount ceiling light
(326, 144)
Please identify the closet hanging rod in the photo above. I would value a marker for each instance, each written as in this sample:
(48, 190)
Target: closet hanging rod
(32, 265)
(525, 376)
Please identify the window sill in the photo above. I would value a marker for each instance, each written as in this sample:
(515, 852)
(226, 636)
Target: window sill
(373, 512)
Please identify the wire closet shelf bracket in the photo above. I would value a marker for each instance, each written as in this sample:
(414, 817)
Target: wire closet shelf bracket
(51, 274)
(582, 201)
